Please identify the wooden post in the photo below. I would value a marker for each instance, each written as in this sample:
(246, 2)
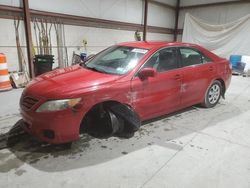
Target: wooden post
(145, 20)
(28, 36)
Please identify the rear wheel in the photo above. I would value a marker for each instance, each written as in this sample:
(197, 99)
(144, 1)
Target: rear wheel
(213, 95)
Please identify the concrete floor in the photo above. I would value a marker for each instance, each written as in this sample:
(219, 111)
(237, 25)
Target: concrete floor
(193, 148)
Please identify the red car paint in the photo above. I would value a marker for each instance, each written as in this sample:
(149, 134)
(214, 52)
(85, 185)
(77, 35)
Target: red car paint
(168, 91)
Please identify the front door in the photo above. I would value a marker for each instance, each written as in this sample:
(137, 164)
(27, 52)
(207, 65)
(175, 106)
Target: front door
(160, 94)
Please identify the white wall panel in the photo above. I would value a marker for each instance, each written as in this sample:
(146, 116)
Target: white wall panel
(8, 33)
(169, 2)
(98, 39)
(119, 10)
(15, 3)
(160, 16)
(8, 42)
(159, 37)
(195, 2)
(11, 56)
(217, 14)
(122, 10)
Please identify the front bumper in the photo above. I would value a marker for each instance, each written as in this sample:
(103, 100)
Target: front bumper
(53, 127)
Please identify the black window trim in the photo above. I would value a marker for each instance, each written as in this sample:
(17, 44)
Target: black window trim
(192, 48)
(177, 59)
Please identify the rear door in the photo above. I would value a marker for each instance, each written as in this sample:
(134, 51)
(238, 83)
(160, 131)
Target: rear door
(160, 94)
(198, 72)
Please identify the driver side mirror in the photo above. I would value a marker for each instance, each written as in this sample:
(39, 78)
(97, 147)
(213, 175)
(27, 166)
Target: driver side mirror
(147, 72)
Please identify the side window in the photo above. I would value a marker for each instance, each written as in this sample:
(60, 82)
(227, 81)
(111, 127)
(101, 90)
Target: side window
(205, 59)
(163, 60)
(190, 57)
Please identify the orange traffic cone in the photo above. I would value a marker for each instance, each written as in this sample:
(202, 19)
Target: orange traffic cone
(4, 74)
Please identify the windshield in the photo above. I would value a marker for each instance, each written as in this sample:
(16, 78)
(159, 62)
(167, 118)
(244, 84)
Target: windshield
(116, 60)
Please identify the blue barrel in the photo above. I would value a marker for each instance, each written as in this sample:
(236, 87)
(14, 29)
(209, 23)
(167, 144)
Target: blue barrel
(83, 56)
(234, 59)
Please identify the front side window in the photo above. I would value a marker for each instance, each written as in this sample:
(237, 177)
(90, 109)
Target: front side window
(191, 56)
(163, 60)
(116, 60)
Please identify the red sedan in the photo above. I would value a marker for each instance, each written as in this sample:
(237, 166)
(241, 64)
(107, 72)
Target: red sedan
(120, 87)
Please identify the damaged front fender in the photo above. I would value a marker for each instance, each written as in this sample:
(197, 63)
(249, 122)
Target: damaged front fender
(130, 117)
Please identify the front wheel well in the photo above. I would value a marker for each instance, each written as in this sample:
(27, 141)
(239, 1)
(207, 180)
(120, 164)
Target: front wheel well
(97, 110)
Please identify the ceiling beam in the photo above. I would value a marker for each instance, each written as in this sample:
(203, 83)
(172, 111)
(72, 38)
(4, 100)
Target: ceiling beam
(215, 4)
(10, 8)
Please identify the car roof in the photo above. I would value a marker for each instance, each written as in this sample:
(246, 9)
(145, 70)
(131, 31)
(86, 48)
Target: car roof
(155, 44)
(159, 44)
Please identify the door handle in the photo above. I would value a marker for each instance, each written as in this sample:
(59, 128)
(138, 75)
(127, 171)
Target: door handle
(211, 68)
(177, 77)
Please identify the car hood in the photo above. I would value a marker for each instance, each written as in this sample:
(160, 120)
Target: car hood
(68, 82)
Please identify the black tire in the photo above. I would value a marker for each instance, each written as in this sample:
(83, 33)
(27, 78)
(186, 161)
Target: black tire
(116, 123)
(131, 118)
(102, 125)
(111, 120)
(213, 95)
(126, 131)
(131, 121)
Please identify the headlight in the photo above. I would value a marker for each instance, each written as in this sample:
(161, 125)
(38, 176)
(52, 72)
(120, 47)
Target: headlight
(57, 105)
